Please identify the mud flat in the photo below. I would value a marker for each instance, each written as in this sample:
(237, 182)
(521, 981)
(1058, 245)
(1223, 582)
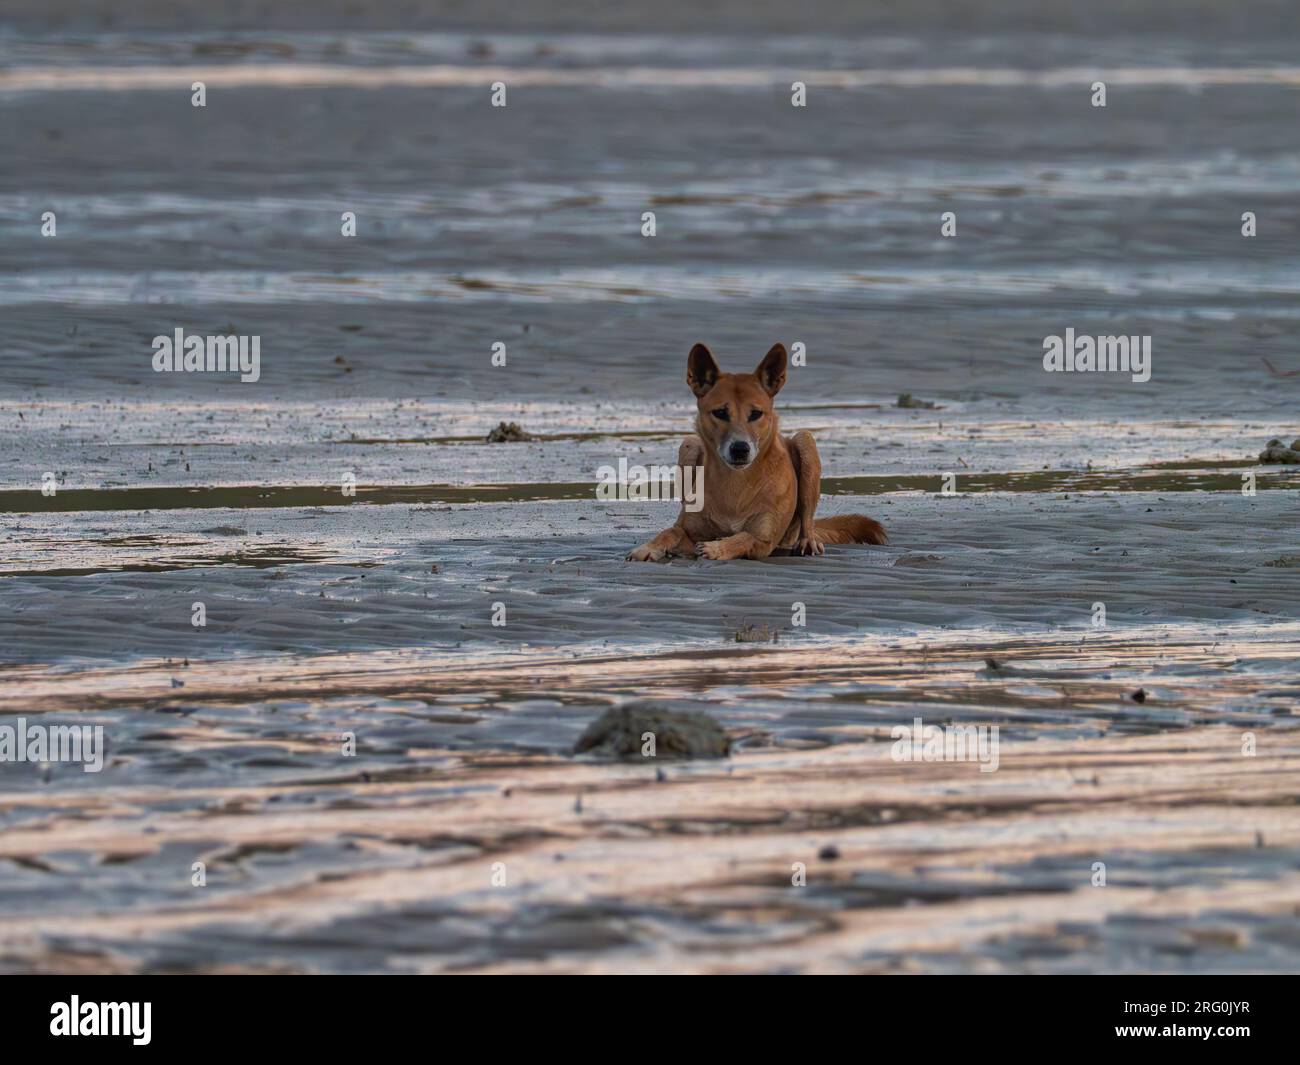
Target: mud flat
(367, 773)
(1163, 747)
(432, 852)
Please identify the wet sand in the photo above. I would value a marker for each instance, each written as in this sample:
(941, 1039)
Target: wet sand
(371, 615)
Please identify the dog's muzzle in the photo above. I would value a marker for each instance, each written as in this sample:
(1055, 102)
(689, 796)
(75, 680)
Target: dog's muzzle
(738, 453)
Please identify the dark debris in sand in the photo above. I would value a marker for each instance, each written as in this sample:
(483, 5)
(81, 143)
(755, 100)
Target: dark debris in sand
(508, 433)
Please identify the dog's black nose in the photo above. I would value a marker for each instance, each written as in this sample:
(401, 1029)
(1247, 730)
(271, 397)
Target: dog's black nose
(738, 452)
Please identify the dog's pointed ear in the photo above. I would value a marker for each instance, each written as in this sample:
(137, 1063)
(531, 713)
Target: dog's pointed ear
(771, 371)
(701, 370)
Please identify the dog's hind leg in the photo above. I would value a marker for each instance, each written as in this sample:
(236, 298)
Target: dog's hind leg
(691, 453)
(674, 541)
(814, 535)
(808, 473)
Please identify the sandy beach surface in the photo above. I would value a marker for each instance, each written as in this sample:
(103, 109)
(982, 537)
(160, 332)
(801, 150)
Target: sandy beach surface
(368, 743)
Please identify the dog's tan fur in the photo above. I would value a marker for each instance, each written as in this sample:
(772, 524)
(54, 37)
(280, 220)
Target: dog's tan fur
(770, 502)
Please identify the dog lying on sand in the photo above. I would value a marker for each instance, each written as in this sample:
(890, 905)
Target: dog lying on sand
(760, 488)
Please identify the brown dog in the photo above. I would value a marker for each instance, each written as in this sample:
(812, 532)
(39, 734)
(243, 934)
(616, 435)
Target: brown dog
(760, 488)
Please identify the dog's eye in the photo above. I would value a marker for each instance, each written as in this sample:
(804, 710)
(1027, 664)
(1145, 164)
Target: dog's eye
(754, 415)
(722, 415)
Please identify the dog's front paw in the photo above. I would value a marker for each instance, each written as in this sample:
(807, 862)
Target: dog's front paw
(646, 553)
(714, 549)
(810, 545)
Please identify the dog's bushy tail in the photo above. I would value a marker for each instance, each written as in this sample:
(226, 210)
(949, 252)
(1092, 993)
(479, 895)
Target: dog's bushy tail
(850, 529)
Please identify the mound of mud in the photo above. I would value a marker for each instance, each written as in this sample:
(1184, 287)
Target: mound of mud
(633, 730)
(1276, 451)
